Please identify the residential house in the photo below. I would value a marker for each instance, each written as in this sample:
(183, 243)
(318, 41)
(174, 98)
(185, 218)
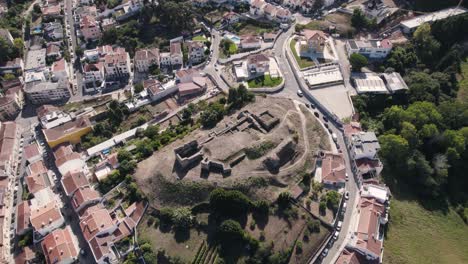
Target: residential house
(108, 23)
(51, 12)
(258, 64)
(190, 82)
(72, 181)
(370, 234)
(249, 42)
(11, 103)
(157, 90)
(9, 144)
(38, 181)
(333, 169)
(67, 160)
(15, 66)
(196, 51)
(48, 92)
(283, 15)
(51, 116)
(46, 218)
(36, 167)
(313, 43)
(269, 37)
(23, 213)
(257, 7)
(127, 10)
(32, 153)
(89, 28)
(373, 49)
(59, 70)
(165, 58)
(59, 247)
(106, 166)
(93, 73)
(53, 51)
(26, 256)
(364, 145)
(84, 197)
(176, 54)
(352, 256)
(231, 18)
(53, 30)
(145, 58)
(70, 132)
(117, 64)
(269, 11)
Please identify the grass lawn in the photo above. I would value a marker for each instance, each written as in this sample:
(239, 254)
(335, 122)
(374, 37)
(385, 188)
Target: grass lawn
(199, 38)
(463, 89)
(417, 235)
(303, 63)
(265, 81)
(232, 50)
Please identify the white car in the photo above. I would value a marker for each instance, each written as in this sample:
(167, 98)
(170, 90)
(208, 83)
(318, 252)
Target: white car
(347, 177)
(335, 235)
(299, 93)
(346, 196)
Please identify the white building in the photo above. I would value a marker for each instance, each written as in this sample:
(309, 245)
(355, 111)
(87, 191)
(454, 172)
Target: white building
(145, 58)
(411, 25)
(373, 49)
(176, 54)
(196, 51)
(258, 64)
(47, 92)
(364, 145)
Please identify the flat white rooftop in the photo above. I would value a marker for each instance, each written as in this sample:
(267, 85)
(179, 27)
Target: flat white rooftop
(314, 78)
(378, 192)
(438, 15)
(369, 83)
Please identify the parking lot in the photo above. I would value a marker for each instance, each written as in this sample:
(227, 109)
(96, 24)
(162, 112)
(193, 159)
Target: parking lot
(336, 99)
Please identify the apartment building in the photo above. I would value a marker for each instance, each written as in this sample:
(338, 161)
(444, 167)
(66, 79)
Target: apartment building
(9, 144)
(48, 92)
(11, 103)
(117, 64)
(89, 28)
(145, 58)
(59, 247)
(196, 51)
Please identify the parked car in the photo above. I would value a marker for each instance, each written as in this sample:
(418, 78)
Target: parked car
(324, 253)
(338, 226)
(336, 235)
(307, 105)
(326, 125)
(346, 196)
(325, 119)
(312, 105)
(299, 93)
(316, 114)
(334, 136)
(347, 177)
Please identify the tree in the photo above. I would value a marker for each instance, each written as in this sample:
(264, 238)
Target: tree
(230, 232)
(262, 207)
(421, 113)
(313, 225)
(394, 149)
(8, 77)
(151, 132)
(402, 58)
(124, 155)
(283, 199)
(358, 61)
(212, 115)
(182, 218)
(37, 9)
(79, 51)
(333, 200)
(426, 46)
(359, 19)
(410, 133)
(229, 203)
(422, 87)
(138, 88)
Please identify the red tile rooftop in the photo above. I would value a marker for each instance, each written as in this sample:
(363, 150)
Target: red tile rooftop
(59, 247)
(71, 181)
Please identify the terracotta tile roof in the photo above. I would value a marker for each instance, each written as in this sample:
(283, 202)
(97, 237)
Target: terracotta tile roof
(7, 140)
(283, 12)
(257, 3)
(257, 59)
(45, 215)
(37, 167)
(71, 181)
(365, 165)
(270, 9)
(31, 150)
(333, 168)
(135, 211)
(59, 246)
(147, 54)
(100, 246)
(83, 195)
(352, 128)
(187, 72)
(36, 182)
(247, 39)
(66, 129)
(23, 212)
(368, 228)
(95, 222)
(59, 65)
(175, 48)
(52, 48)
(315, 34)
(26, 256)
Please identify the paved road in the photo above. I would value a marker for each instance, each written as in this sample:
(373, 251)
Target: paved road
(290, 91)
